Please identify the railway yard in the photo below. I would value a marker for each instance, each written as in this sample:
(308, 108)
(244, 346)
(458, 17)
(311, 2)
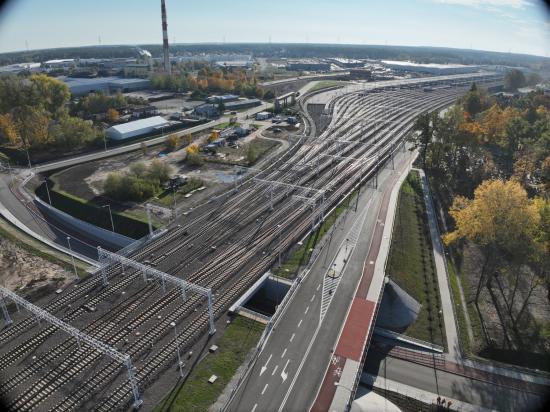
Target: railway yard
(224, 245)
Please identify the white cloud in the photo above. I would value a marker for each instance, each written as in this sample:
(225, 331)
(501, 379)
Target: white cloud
(517, 4)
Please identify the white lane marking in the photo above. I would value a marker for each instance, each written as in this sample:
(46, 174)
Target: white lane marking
(254, 408)
(312, 298)
(265, 387)
(284, 375)
(318, 286)
(299, 323)
(306, 310)
(265, 366)
(275, 370)
(292, 337)
(284, 353)
(300, 367)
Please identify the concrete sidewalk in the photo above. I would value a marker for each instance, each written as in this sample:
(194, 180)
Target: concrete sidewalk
(426, 397)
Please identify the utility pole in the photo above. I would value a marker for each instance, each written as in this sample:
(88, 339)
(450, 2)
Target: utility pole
(110, 215)
(72, 257)
(148, 208)
(48, 191)
(173, 324)
(174, 196)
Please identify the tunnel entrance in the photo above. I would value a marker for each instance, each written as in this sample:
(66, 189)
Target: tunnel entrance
(268, 296)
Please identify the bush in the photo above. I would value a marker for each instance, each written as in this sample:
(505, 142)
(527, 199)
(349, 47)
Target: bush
(139, 183)
(194, 159)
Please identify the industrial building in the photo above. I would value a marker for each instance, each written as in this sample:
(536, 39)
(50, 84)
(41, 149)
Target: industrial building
(311, 65)
(207, 110)
(242, 104)
(429, 68)
(225, 98)
(82, 86)
(20, 68)
(137, 128)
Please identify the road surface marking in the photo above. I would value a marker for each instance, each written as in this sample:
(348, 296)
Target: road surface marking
(284, 375)
(313, 297)
(284, 353)
(275, 370)
(299, 323)
(318, 286)
(306, 310)
(265, 366)
(265, 387)
(292, 337)
(254, 408)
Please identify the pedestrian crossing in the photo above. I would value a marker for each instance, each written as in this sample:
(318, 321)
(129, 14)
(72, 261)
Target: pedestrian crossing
(333, 276)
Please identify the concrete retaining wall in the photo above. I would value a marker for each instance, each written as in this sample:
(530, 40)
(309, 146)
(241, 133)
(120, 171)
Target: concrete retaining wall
(107, 238)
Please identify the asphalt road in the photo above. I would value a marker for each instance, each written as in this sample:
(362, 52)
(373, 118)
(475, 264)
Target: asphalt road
(291, 367)
(136, 146)
(450, 385)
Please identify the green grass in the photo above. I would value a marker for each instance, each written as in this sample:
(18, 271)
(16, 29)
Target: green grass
(225, 125)
(459, 310)
(289, 267)
(324, 84)
(411, 263)
(125, 224)
(260, 146)
(167, 198)
(39, 249)
(196, 394)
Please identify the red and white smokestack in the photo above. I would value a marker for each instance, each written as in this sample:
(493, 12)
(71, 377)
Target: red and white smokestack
(167, 67)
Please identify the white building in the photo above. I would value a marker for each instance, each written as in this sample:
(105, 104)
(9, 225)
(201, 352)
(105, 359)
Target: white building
(137, 128)
(430, 68)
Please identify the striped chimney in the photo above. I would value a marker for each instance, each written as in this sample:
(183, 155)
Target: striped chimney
(167, 67)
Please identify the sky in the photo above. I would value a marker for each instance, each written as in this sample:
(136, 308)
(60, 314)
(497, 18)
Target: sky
(517, 26)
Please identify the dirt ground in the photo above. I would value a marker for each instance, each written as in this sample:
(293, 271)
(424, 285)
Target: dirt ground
(86, 180)
(22, 269)
(501, 335)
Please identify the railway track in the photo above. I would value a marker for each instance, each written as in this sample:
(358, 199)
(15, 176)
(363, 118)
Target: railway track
(248, 248)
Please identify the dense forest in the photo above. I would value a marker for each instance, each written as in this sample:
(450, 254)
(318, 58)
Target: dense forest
(291, 50)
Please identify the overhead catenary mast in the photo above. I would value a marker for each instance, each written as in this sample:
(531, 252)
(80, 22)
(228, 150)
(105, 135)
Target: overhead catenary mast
(167, 67)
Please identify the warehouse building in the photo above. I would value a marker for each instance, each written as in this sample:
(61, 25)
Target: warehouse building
(225, 98)
(242, 104)
(137, 128)
(311, 65)
(83, 86)
(207, 110)
(429, 68)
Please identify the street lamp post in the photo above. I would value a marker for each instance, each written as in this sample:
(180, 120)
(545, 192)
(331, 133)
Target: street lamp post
(72, 257)
(28, 157)
(48, 191)
(104, 141)
(110, 215)
(173, 324)
(174, 196)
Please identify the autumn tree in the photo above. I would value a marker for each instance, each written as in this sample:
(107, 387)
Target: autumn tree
(187, 139)
(501, 219)
(423, 137)
(193, 158)
(112, 115)
(514, 79)
(172, 142)
(8, 129)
